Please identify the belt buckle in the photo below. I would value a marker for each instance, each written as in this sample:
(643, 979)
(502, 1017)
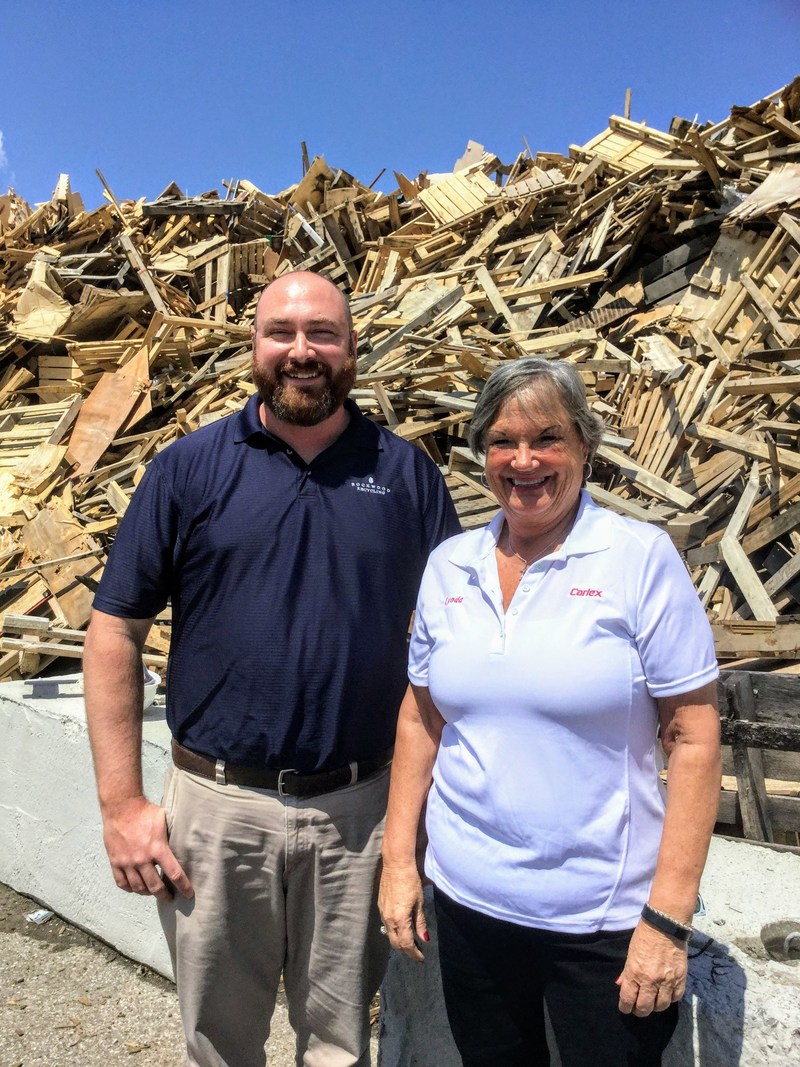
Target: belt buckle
(281, 778)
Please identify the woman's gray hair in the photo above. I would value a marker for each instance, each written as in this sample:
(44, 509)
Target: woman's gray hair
(528, 375)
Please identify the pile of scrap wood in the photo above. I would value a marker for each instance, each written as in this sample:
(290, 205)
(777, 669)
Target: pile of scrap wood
(666, 266)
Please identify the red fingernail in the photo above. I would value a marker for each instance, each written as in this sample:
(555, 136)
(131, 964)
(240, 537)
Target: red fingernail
(426, 936)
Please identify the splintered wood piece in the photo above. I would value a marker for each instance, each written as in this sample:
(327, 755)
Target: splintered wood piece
(785, 574)
(619, 504)
(784, 332)
(786, 383)
(772, 528)
(138, 368)
(35, 624)
(138, 264)
(382, 397)
(411, 431)
(749, 767)
(437, 302)
(52, 535)
(35, 649)
(734, 639)
(109, 407)
(38, 468)
(738, 519)
(487, 239)
(747, 580)
(737, 443)
(643, 479)
(495, 299)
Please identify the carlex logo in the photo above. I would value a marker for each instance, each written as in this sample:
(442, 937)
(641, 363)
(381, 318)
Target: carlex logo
(585, 592)
(370, 486)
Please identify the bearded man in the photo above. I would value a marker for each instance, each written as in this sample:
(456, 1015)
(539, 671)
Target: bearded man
(290, 539)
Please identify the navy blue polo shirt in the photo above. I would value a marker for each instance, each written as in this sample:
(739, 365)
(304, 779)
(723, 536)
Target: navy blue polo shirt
(292, 586)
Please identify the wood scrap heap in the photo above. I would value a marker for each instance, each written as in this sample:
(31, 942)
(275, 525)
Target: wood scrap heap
(665, 265)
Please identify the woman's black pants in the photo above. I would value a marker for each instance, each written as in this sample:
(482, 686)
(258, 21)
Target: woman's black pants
(497, 976)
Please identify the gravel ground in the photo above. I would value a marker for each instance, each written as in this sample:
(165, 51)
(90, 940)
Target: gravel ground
(67, 1000)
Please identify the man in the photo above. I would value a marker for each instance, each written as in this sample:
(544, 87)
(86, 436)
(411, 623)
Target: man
(290, 539)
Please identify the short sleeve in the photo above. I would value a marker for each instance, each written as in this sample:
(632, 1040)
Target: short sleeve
(137, 580)
(421, 644)
(440, 520)
(673, 635)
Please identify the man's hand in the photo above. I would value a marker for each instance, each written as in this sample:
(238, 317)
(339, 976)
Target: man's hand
(402, 910)
(135, 836)
(655, 972)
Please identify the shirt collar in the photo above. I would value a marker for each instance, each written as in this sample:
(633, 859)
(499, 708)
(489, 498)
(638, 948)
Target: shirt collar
(590, 533)
(246, 420)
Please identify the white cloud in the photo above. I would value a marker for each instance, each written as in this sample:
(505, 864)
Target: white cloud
(3, 156)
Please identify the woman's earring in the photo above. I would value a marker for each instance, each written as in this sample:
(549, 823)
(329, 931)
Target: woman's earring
(587, 470)
(483, 478)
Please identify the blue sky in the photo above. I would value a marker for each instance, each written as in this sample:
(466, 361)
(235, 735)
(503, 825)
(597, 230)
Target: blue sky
(155, 91)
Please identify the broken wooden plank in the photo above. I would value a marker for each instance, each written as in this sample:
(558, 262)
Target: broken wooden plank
(737, 443)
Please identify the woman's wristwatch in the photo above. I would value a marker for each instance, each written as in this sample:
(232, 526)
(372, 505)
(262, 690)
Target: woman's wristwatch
(666, 924)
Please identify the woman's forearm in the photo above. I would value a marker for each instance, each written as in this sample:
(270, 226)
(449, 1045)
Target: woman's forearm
(693, 783)
(655, 970)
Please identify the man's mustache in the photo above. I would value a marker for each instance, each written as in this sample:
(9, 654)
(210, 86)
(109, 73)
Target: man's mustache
(302, 368)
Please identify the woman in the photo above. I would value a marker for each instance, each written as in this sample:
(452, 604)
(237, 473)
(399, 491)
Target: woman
(548, 649)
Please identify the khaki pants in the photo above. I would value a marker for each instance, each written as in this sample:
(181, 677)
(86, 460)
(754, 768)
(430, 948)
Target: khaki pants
(281, 886)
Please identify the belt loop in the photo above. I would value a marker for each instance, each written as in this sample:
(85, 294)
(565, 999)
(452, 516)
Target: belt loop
(353, 773)
(219, 772)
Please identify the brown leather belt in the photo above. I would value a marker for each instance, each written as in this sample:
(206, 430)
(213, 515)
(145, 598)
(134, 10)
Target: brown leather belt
(287, 783)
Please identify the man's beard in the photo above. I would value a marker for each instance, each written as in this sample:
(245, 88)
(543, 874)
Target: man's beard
(305, 407)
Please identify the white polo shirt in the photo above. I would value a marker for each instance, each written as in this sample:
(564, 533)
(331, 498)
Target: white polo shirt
(546, 806)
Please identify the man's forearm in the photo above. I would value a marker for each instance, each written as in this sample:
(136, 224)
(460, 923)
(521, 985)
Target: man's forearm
(113, 687)
(134, 830)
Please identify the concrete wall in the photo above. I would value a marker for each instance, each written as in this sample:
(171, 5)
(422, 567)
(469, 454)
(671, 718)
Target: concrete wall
(741, 1008)
(51, 844)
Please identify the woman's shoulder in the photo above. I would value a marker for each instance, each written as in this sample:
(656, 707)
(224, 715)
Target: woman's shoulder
(624, 530)
(462, 545)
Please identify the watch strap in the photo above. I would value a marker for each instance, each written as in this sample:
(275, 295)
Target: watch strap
(666, 924)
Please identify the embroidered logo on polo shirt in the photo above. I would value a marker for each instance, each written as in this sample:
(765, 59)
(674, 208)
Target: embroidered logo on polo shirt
(454, 600)
(370, 486)
(574, 591)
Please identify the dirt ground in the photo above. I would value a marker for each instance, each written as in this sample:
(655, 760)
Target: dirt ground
(68, 1000)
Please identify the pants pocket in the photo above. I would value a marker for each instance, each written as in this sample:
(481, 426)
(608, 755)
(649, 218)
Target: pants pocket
(168, 797)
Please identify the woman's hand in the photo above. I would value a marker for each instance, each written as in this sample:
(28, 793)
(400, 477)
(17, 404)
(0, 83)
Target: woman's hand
(402, 909)
(655, 972)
